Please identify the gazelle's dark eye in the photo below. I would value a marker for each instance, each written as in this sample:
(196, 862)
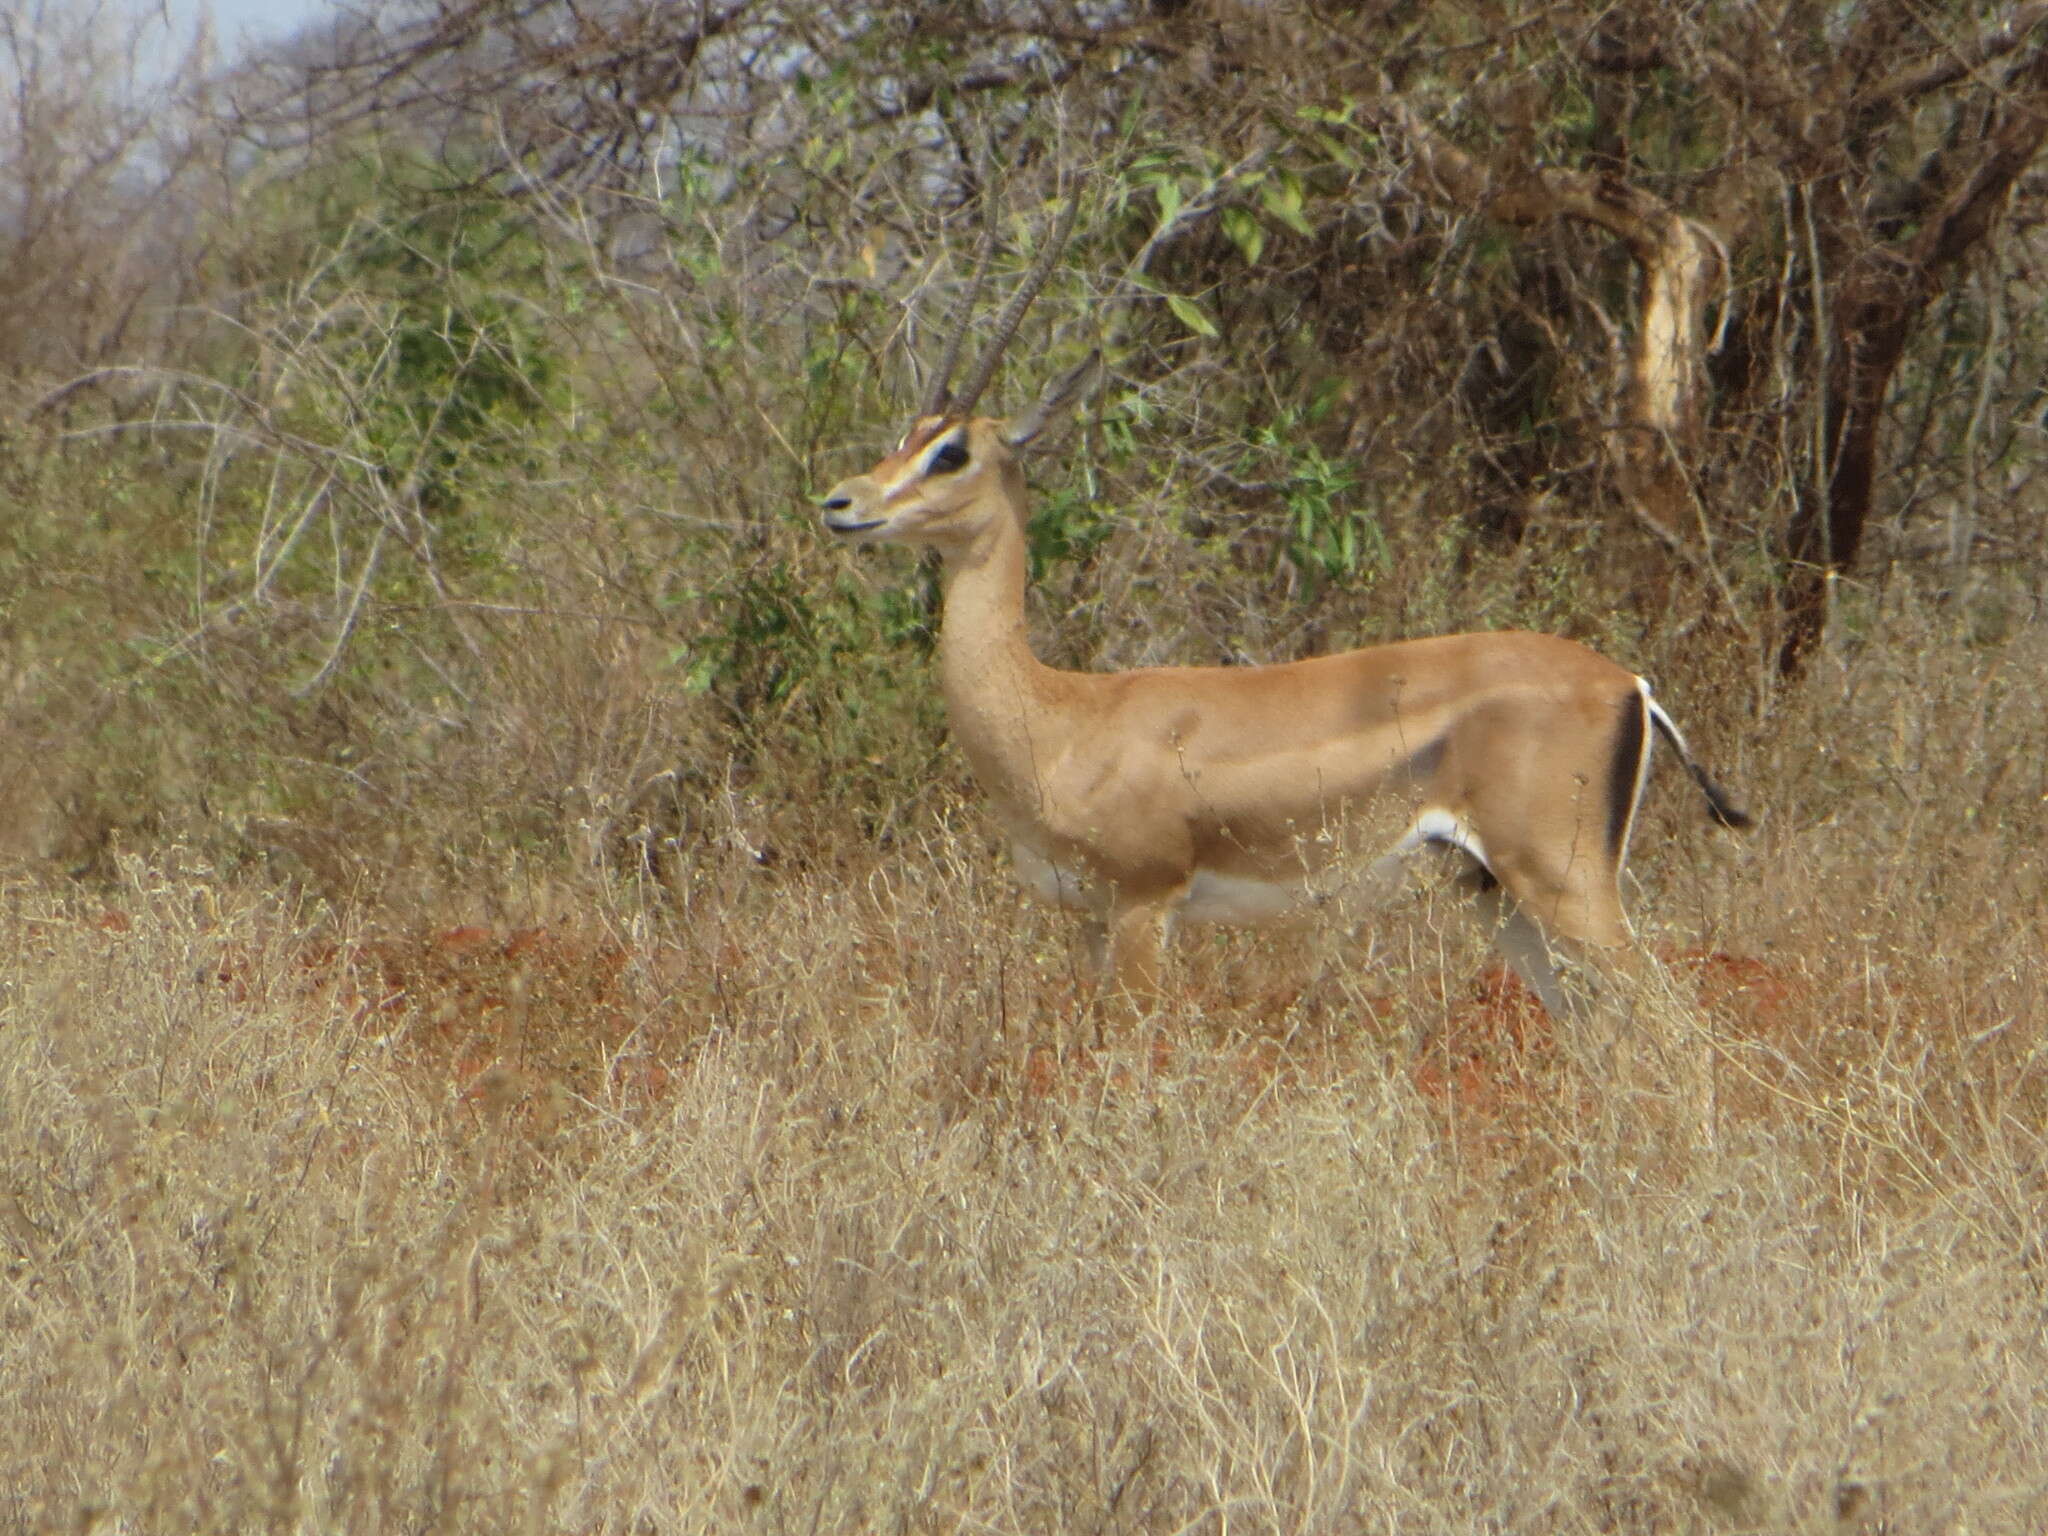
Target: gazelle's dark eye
(949, 458)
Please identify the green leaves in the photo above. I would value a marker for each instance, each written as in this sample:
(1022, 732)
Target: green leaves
(1282, 198)
(1192, 315)
(1167, 190)
(1281, 192)
(1068, 526)
(1326, 534)
(1245, 232)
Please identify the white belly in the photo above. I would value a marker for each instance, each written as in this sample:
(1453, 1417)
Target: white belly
(1211, 898)
(1238, 899)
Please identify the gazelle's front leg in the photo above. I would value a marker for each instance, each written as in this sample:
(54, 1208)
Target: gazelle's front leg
(1138, 926)
(1095, 945)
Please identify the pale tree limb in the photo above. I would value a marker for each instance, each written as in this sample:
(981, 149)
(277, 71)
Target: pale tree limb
(1680, 261)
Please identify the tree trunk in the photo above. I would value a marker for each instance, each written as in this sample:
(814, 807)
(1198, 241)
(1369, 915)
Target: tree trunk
(1875, 309)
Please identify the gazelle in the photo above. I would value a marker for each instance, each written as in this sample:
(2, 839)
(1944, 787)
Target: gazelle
(1240, 794)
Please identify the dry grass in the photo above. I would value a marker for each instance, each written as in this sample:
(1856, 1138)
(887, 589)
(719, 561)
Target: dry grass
(528, 1034)
(805, 1199)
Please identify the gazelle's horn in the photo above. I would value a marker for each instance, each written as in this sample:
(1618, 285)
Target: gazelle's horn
(941, 398)
(1013, 312)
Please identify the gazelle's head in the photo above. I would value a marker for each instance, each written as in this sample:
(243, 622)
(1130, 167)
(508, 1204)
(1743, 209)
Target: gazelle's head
(954, 473)
(950, 476)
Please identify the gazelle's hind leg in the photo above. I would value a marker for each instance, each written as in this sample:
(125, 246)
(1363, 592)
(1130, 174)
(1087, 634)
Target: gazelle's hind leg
(1551, 823)
(1522, 945)
(1521, 941)
(1637, 1035)
(1571, 913)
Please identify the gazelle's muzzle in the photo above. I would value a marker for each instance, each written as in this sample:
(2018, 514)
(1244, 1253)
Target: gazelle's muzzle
(844, 513)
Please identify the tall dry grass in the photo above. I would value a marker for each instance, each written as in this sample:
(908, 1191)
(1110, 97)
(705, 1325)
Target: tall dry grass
(804, 1198)
(510, 1018)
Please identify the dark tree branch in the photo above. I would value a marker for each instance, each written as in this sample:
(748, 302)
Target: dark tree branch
(1908, 85)
(1878, 303)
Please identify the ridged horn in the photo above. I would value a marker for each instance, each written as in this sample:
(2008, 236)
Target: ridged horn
(1013, 312)
(941, 398)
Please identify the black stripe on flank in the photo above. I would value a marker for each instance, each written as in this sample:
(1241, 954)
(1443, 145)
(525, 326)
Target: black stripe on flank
(1624, 773)
(1426, 760)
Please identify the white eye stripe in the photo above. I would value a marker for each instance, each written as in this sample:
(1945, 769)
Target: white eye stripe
(923, 427)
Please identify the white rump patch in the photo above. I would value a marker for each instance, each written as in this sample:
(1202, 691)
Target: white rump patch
(1440, 826)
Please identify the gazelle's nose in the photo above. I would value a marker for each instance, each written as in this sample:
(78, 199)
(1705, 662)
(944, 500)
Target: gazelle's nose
(836, 502)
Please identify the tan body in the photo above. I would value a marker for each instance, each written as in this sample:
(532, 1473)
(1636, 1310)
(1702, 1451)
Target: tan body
(1239, 794)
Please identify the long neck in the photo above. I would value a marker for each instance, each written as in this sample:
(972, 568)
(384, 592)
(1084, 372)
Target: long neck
(996, 690)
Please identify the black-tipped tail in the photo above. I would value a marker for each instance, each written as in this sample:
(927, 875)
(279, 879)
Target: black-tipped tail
(1720, 807)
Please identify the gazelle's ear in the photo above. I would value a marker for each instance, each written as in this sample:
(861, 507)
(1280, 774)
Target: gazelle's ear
(1065, 393)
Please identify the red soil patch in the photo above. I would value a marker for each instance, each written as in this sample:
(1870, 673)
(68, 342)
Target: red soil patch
(510, 1015)
(1758, 999)
(1493, 1058)
(531, 1012)
(1489, 1058)
(1049, 1074)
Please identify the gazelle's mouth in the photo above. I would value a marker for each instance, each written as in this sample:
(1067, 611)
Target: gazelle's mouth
(847, 528)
